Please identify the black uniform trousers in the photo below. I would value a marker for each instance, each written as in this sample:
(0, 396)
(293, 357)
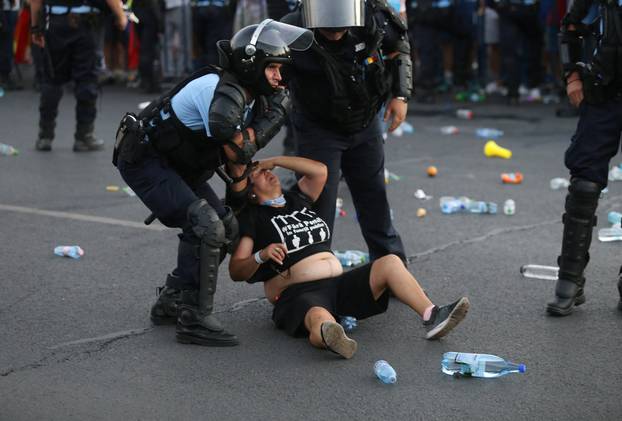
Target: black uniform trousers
(596, 141)
(360, 157)
(520, 30)
(69, 54)
(211, 24)
(168, 196)
(148, 30)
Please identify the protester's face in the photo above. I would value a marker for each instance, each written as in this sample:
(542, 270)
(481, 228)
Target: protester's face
(264, 182)
(273, 74)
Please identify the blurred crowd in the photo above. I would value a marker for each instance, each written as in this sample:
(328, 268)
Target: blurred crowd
(470, 48)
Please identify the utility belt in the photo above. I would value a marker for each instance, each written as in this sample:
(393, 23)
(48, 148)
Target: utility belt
(66, 10)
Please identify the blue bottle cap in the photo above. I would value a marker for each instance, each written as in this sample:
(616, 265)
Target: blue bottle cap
(522, 368)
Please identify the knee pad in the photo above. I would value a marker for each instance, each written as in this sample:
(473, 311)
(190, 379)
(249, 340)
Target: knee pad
(206, 224)
(582, 198)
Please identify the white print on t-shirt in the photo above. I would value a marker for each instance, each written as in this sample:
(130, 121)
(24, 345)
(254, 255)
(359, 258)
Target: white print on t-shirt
(300, 229)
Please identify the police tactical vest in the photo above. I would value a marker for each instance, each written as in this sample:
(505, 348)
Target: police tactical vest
(606, 64)
(191, 153)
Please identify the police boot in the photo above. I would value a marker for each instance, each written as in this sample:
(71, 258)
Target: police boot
(46, 135)
(197, 325)
(579, 221)
(620, 289)
(85, 141)
(164, 311)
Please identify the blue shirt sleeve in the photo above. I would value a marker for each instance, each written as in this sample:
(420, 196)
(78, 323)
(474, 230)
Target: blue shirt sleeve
(192, 103)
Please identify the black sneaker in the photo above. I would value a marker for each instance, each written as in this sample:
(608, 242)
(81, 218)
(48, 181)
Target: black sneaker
(445, 318)
(88, 143)
(43, 144)
(336, 339)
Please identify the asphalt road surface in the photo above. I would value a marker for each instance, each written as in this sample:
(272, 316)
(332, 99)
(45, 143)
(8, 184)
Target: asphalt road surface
(76, 342)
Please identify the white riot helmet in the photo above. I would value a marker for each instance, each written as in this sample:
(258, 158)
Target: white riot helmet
(333, 13)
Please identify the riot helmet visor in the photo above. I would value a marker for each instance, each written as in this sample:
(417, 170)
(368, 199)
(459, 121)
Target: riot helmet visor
(333, 13)
(273, 35)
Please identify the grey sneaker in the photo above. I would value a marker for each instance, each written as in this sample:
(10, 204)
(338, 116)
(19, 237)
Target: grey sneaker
(445, 318)
(87, 144)
(336, 340)
(43, 144)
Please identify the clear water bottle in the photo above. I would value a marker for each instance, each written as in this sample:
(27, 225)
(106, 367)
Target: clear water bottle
(476, 206)
(8, 150)
(614, 217)
(450, 204)
(540, 272)
(607, 235)
(349, 323)
(478, 365)
(489, 133)
(385, 372)
(615, 174)
(559, 183)
(449, 130)
(75, 252)
(350, 258)
(509, 207)
(464, 114)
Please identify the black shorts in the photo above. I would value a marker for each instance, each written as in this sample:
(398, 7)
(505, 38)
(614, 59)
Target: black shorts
(346, 295)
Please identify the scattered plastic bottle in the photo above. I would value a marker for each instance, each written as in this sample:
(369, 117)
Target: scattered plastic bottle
(421, 195)
(385, 372)
(389, 176)
(509, 207)
(614, 217)
(603, 193)
(129, 191)
(8, 150)
(540, 272)
(489, 133)
(450, 204)
(75, 252)
(339, 211)
(351, 258)
(464, 114)
(512, 177)
(449, 130)
(459, 364)
(349, 323)
(607, 235)
(559, 183)
(615, 174)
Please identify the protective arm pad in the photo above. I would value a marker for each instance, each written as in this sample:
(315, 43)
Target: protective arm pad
(269, 124)
(570, 51)
(402, 76)
(578, 11)
(226, 111)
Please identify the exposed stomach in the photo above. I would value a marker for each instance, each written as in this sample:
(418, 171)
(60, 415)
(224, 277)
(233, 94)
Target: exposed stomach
(312, 268)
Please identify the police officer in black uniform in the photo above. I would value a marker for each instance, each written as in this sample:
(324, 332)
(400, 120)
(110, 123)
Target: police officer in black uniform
(360, 59)
(595, 86)
(66, 32)
(212, 20)
(167, 153)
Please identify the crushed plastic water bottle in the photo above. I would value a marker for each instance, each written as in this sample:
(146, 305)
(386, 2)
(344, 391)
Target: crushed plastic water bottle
(75, 252)
(350, 258)
(512, 177)
(129, 191)
(8, 150)
(459, 364)
(389, 176)
(615, 174)
(540, 272)
(558, 183)
(603, 193)
(349, 323)
(509, 207)
(607, 235)
(421, 195)
(450, 204)
(464, 114)
(488, 133)
(614, 217)
(449, 130)
(339, 211)
(385, 372)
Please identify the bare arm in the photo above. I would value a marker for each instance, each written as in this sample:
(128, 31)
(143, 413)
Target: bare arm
(314, 173)
(35, 22)
(117, 9)
(243, 264)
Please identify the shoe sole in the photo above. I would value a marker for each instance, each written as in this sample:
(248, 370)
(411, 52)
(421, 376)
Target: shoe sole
(187, 339)
(337, 341)
(455, 317)
(556, 311)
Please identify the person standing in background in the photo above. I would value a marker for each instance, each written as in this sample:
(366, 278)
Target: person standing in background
(212, 21)
(8, 19)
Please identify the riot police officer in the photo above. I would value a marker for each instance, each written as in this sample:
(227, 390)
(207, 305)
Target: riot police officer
(360, 59)
(595, 86)
(167, 153)
(66, 32)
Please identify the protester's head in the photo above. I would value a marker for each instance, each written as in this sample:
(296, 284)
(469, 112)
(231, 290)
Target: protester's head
(264, 185)
(333, 17)
(257, 52)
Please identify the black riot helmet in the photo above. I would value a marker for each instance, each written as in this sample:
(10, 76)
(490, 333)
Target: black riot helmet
(256, 46)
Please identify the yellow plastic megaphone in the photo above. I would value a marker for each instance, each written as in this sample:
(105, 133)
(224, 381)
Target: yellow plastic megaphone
(491, 149)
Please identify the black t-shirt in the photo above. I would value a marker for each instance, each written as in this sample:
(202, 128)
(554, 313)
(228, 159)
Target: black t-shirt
(302, 231)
